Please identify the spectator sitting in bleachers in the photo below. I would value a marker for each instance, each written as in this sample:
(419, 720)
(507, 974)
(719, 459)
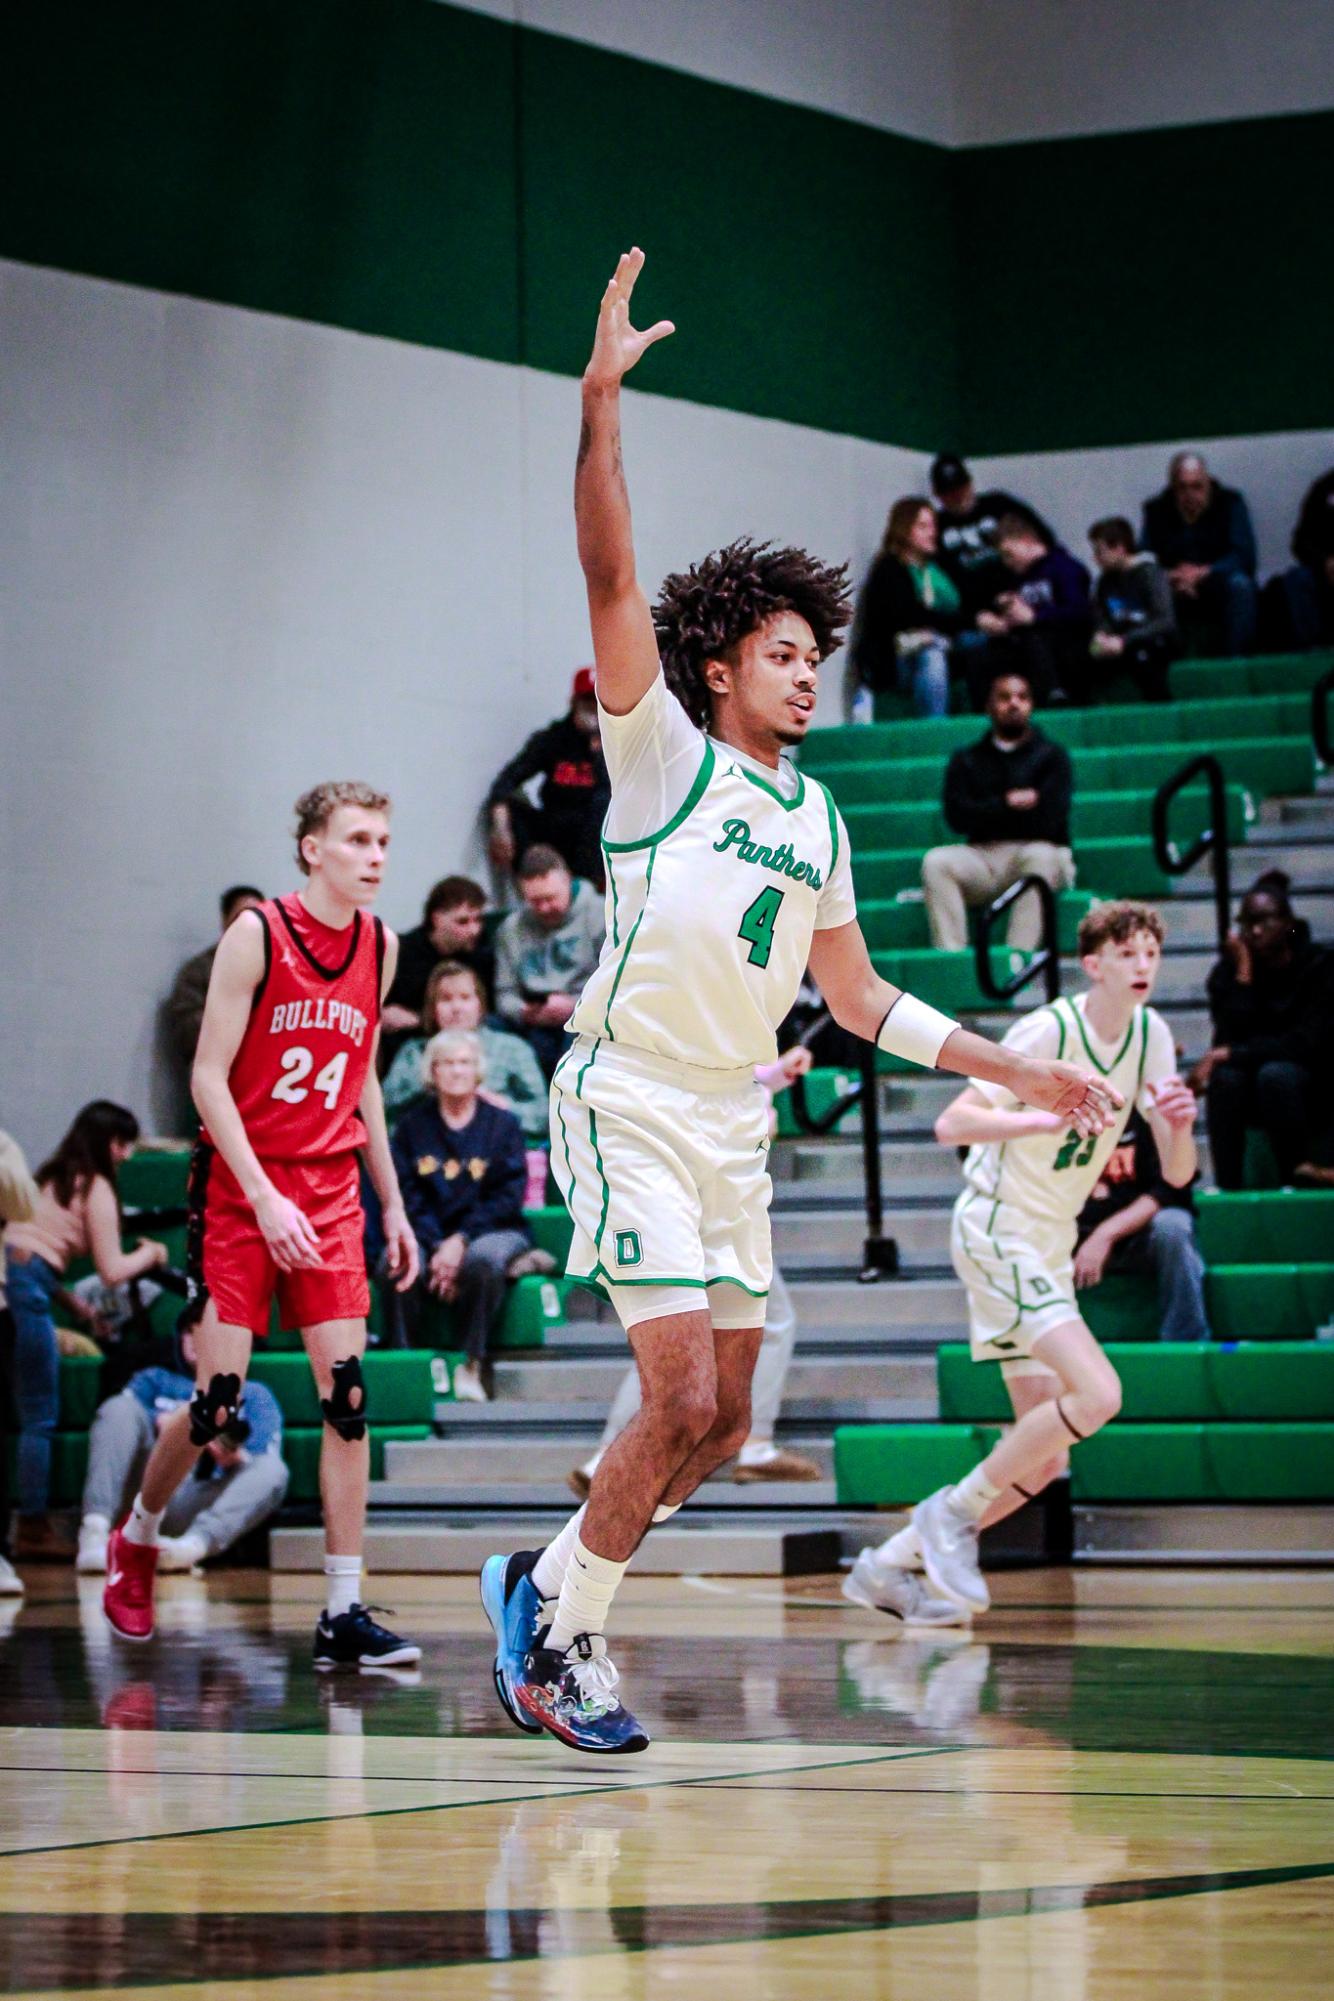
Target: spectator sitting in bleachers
(967, 522)
(1008, 794)
(18, 1199)
(1200, 531)
(1039, 624)
(461, 1167)
(456, 998)
(545, 951)
(1271, 1066)
(1135, 627)
(1134, 1222)
(451, 928)
(77, 1214)
(239, 1481)
(1299, 604)
(566, 756)
(909, 613)
(185, 1003)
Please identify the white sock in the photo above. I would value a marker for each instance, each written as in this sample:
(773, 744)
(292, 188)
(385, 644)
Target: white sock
(142, 1524)
(590, 1466)
(903, 1550)
(757, 1452)
(973, 1495)
(663, 1513)
(342, 1584)
(549, 1570)
(585, 1596)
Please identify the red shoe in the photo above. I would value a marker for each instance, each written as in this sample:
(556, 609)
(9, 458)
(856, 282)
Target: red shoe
(127, 1598)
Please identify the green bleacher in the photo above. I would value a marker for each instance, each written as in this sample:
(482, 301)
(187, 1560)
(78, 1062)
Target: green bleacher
(403, 1385)
(1248, 1416)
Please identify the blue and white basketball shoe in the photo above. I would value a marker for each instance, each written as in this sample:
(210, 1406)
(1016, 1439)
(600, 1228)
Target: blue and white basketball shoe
(511, 1603)
(573, 1695)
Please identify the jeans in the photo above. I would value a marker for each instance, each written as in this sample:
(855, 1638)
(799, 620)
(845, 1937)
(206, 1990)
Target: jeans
(1220, 618)
(925, 675)
(220, 1509)
(479, 1293)
(766, 1390)
(31, 1284)
(1167, 1248)
(1281, 1098)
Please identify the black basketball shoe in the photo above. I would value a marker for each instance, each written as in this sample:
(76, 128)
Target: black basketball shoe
(353, 1639)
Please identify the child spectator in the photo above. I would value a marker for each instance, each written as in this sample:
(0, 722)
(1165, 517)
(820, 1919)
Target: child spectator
(1039, 626)
(968, 523)
(1271, 996)
(1134, 623)
(77, 1214)
(461, 1167)
(909, 613)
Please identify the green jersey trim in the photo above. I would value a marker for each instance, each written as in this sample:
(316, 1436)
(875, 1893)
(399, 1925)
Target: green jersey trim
(832, 811)
(600, 1276)
(682, 813)
(1103, 1069)
(629, 947)
(788, 805)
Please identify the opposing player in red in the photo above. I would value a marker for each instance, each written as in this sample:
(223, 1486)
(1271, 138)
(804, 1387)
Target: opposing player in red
(285, 1083)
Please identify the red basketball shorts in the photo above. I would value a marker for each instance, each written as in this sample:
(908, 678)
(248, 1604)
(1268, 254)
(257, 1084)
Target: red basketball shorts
(229, 1258)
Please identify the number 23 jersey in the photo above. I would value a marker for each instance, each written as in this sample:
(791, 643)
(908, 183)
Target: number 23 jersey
(299, 1073)
(719, 870)
(1052, 1175)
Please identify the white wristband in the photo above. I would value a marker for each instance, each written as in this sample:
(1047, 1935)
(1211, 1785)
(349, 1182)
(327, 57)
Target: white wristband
(915, 1031)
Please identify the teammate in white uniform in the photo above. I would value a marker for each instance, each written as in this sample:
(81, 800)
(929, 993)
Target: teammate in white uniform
(727, 872)
(1027, 1176)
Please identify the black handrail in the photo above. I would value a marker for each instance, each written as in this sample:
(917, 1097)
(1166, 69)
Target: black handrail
(1045, 962)
(1320, 730)
(1212, 841)
(880, 1254)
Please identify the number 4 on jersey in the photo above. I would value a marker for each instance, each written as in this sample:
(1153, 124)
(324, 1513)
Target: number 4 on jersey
(297, 1064)
(757, 926)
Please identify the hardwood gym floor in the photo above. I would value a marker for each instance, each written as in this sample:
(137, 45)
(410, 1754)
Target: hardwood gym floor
(1123, 1786)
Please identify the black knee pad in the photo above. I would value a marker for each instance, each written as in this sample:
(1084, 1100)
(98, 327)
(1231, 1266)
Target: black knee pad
(215, 1410)
(345, 1410)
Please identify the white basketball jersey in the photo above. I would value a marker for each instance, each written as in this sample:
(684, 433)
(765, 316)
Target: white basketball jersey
(709, 921)
(1052, 1175)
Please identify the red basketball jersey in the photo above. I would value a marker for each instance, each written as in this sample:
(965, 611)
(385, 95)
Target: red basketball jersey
(298, 1076)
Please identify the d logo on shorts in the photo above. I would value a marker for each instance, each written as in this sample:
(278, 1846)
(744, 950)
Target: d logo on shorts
(629, 1250)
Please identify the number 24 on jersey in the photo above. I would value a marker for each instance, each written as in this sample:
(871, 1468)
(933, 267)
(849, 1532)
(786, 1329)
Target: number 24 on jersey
(296, 1065)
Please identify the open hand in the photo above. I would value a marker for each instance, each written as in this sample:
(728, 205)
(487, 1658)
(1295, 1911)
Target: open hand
(1175, 1102)
(400, 1248)
(617, 346)
(1087, 1103)
(289, 1234)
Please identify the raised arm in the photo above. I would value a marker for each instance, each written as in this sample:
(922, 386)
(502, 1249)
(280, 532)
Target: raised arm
(861, 1001)
(624, 644)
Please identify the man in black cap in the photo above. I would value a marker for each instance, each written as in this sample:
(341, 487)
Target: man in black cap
(966, 522)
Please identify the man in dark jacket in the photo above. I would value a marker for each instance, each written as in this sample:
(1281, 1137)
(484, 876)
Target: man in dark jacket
(1200, 531)
(461, 1166)
(1302, 598)
(1039, 624)
(185, 1003)
(967, 522)
(1271, 996)
(567, 757)
(1135, 1222)
(1008, 795)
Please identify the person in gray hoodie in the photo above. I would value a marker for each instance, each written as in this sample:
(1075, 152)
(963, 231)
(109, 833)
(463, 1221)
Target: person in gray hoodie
(1135, 626)
(545, 951)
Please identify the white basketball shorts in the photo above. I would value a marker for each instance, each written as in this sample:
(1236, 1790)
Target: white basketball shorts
(1019, 1273)
(665, 1171)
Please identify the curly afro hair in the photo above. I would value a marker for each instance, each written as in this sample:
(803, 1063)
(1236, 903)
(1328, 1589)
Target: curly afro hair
(704, 612)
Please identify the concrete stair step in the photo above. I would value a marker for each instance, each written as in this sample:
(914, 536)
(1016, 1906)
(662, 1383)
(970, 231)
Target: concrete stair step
(815, 1377)
(709, 1543)
(722, 1495)
(825, 1239)
(512, 1462)
(1310, 863)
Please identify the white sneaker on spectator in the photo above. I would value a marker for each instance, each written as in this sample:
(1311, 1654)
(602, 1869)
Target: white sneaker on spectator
(11, 1584)
(468, 1384)
(180, 1552)
(91, 1559)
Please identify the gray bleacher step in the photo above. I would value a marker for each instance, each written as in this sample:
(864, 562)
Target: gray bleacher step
(918, 1303)
(772, 1544)
(1187, 1533)
(512, 1461)
(777, 1497)
(1309, 863)
(813, 1376)
(832, 1238)
(874, 1334)
(833, 1167)
(1311, 812)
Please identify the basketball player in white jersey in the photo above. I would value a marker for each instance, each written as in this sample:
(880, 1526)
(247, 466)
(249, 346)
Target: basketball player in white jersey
(727, 872)
(1027, 1176)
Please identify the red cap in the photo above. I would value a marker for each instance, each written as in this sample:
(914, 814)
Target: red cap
(582, 684)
